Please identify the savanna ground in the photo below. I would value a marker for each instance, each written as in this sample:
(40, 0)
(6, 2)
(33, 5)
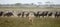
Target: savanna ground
(24, 22)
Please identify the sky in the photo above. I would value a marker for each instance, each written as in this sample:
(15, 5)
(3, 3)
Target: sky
(28, 1)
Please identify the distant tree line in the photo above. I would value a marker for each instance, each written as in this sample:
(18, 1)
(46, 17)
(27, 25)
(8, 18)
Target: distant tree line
(50, 4)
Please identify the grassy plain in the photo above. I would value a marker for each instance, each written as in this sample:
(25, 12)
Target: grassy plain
(24, 22)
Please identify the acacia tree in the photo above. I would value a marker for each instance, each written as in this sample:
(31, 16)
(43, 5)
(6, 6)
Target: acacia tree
(48, 3)
(17, 4)
(32, 3)
(39, 3)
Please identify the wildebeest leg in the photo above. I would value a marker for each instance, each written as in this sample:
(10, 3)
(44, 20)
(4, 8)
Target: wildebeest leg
(43, 16)
(57, 16)
(36, 16)
(39, 16)
(23, 15)
(26, 15)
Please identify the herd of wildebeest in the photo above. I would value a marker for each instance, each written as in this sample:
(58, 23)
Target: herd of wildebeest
(29, 13)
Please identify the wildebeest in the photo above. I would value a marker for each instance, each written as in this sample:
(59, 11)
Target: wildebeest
(50, 13)
(19, 14)
(23, 14)
(8, 14)
(39, 13)
(57, 14)
(35, 14)
(1, 13)
(42, 13)
(27, 14)
(45, 13)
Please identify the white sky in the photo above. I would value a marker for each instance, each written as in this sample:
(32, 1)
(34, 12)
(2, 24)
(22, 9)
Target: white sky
(27, 1)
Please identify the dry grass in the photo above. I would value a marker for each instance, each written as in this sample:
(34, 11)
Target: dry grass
(29, 9)
(24, 22)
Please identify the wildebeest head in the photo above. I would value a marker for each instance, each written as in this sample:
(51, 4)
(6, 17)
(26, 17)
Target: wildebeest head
(45, 12)
(36, 14)
(1, 13)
